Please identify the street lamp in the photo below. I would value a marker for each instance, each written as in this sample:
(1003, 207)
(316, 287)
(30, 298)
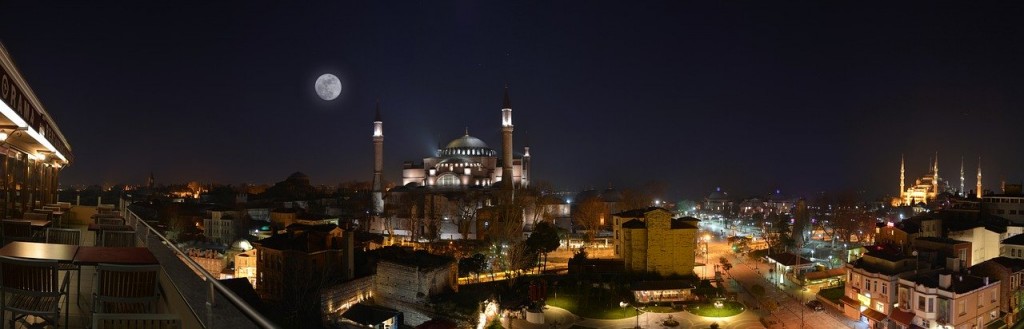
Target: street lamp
(623, 305)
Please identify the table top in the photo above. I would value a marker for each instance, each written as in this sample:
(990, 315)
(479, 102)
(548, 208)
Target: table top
(62, 253)
(100, 227)
(36, 223)
(113, 255)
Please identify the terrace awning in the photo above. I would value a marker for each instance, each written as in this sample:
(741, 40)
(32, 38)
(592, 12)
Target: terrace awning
(901, 317)
(874, 315)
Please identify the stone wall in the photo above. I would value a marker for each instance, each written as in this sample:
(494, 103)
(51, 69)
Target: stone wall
(413, 314)
(335, 299)
(398, 281)
(411, 284)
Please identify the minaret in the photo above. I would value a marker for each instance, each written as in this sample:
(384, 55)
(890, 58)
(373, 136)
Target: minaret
(526, 163)
(962, 192)
(378, 163)
(978, 192)
(506, 141)
(903, 181)
(935, 176)
(152, 181)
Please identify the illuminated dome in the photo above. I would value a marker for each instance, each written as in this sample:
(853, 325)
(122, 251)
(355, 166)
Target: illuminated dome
(467, 141)
(242, 244)
(467, 146)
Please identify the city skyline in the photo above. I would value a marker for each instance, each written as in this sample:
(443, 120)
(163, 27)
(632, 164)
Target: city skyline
(750, 99)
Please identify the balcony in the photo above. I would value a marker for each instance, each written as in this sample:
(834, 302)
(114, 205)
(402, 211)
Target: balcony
(184, 286)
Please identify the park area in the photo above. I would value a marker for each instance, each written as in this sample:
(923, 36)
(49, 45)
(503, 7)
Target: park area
(603, 299)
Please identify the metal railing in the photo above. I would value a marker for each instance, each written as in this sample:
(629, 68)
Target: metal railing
(213, 284)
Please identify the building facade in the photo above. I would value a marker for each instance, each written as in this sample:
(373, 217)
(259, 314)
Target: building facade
(870, 293)
(659, 243)
(947, 298)
(1009, 272)
(1009, 204)
(292, 267)
(33, 150)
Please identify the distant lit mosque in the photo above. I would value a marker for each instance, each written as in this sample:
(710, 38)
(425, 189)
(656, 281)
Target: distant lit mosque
(467, 161)
(930, 186)
(464, 162)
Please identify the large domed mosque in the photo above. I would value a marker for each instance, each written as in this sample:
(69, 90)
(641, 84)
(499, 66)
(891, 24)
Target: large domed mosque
(468, 161)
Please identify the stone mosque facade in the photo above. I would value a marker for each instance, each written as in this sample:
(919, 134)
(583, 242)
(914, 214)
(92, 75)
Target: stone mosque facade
(465, 164)
(468, 161)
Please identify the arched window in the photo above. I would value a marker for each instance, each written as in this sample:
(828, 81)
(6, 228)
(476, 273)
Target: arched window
(448, 179)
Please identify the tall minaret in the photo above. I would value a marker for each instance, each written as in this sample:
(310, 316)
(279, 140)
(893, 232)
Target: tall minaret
(935, 176)
(378, 163)
(526, 164)
(903, 181)
(962, 193)
(978, 192)
(506, 141)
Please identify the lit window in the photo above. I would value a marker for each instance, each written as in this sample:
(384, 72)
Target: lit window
(448, 180)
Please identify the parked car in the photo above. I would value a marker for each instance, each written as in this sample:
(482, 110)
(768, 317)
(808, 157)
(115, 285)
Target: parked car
(817, 306)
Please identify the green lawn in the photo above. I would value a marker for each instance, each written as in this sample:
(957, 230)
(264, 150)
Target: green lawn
(709, 309)
(594, 310)
(833, 294)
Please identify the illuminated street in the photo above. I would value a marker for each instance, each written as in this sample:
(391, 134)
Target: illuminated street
(790, 300)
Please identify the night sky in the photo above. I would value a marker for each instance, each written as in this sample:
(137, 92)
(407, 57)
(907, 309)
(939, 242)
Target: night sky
(744, 96)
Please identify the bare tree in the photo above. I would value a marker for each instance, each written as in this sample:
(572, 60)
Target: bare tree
(462, 210)
(587, 216)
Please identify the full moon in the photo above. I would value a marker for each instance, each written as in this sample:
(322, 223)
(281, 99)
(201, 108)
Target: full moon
(328, 86)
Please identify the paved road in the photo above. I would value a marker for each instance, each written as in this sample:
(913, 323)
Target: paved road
(791, 311)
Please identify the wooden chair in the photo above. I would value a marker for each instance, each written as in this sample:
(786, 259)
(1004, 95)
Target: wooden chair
(135, 321)
(64, 236)
(106, 215)
(118, 239)
(36, 215)
(32, 287)
(126, 288)
(17, 230)
(71, 237)
(110, 221)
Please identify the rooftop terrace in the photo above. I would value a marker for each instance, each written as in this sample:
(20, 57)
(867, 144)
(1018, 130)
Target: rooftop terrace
(185, 288)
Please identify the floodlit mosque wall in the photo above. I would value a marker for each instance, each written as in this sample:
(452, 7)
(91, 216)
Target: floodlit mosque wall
(32, 149)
